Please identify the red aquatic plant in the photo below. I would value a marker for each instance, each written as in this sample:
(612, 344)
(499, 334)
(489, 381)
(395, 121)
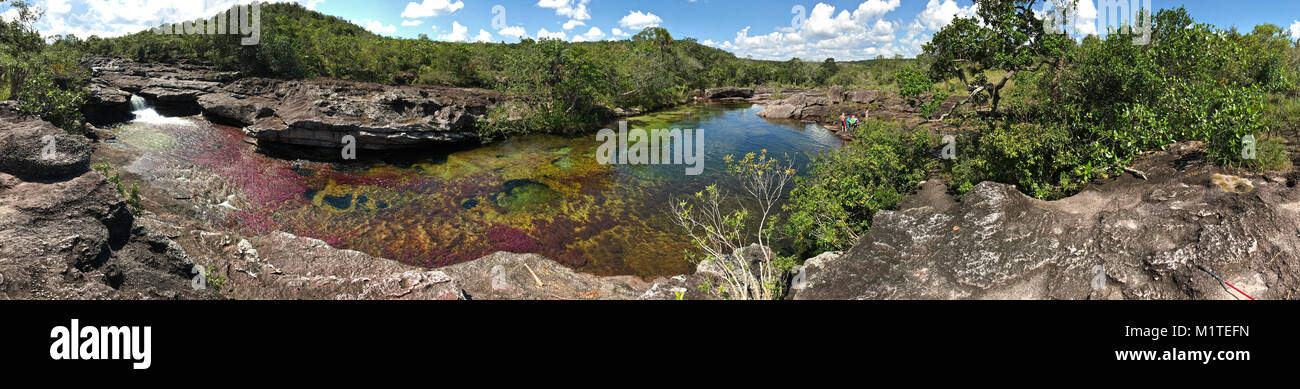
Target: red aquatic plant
(506, 238)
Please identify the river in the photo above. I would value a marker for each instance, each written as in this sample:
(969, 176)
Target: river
(540, 194)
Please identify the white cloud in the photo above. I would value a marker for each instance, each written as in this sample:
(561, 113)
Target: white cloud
(543, 34)
(111, 18)
(458, 33)
(619, 32)
(378, 27)
(513, 32)
(592, 35)
(856, 33)
(58, 6)
(1295, 30)
(409, 23)
(1085, 18)
(431, 8)
(938, 13)
(637, 21)
(9, 15)
(872, 9)
(483, 36)
(572, 9)
(571, 24)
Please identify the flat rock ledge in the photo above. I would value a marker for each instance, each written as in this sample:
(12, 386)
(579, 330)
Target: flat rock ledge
(313, 112)
(1123, 239)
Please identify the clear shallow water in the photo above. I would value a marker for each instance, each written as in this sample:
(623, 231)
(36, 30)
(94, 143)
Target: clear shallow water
(542, 194)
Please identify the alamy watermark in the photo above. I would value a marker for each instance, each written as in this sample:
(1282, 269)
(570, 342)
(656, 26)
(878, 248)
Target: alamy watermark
(243, 20)
(1122, 16)
(653, 147)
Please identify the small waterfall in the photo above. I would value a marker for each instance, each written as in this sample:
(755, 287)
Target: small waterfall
(138, 103)
(144, 113)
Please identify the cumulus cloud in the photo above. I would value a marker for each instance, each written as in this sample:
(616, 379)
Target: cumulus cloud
(430, 8)
(409, 23)
(543, 34)
(637, 20)
(861, 32)
(592, 35)
(111, 18)
(1085, 18)
(938, 13)
(571, 24)
(513, 32)
(1295, 30)
(572, 9)
(378, 27)
(458, 33)
(483, 36)
(617, 32)
(872, 9)
(9, 15)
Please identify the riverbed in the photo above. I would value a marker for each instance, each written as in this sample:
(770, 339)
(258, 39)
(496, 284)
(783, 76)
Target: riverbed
(534, 194)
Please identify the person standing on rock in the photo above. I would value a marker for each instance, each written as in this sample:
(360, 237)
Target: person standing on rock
(844, 122)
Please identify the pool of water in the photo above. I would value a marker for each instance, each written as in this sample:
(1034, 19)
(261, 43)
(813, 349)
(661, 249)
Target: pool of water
(538, 194)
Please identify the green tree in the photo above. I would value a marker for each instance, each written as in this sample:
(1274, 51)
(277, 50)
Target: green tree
(1004, 35)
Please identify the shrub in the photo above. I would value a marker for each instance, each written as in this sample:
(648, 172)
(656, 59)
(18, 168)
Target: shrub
(39, 95)
(130, 195)
(722, 231)
(833, 205)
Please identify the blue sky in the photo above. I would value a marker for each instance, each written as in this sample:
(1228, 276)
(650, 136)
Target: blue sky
(765, 29)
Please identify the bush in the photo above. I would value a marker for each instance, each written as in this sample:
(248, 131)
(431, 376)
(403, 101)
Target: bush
(1042, 161)
(833, 205)
(39, 95)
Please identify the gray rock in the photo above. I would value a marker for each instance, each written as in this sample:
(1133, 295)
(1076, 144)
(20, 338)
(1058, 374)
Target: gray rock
(67, 234)
(729, 92)
(29, 153)
(317, 112)
(835, 94)
(1148, 236)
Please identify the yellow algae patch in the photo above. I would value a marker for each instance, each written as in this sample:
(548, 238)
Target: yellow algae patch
(1232, 184)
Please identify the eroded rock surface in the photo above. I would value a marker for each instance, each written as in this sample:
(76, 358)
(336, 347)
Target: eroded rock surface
(284, 266)
(65, 232)
(729, 92)
(1125, 239)
(315, 112)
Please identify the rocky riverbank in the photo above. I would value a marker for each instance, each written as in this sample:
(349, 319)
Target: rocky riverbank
(1121, 239)
(314, 112)
(824, 106)
(66, 233)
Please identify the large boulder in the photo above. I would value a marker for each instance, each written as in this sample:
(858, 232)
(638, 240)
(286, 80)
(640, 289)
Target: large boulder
(35, 149)
(106, 104)
(863, 96)
(781, 111)
(321, 112)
